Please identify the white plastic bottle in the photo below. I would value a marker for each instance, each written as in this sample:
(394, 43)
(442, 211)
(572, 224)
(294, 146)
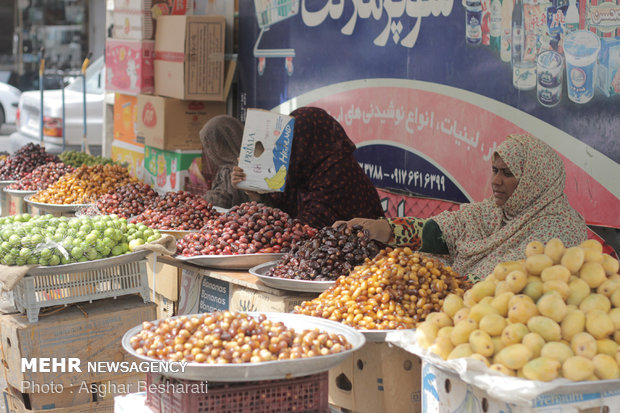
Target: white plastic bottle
(571, 21)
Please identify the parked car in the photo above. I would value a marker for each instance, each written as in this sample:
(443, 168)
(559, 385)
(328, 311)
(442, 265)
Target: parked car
(29, 110)
(9, 99)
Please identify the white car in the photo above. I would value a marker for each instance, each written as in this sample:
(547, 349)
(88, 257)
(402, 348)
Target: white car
(9, 99)
(29, 120)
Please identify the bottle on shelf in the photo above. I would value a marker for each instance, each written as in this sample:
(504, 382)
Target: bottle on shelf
(571, 20)
(523, 71)
(495, 28)
(504, 51)
(473, 28)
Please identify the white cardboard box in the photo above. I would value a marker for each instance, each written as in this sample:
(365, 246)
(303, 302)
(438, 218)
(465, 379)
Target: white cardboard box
(266, 150)
(444, 391)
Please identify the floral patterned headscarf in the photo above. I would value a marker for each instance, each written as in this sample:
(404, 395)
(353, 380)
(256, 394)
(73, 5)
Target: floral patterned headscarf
(480, 235)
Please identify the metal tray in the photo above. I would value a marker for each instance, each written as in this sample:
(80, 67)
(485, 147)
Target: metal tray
(19, 192)
(288, 284)
(230, 262)
(6, 183)
(90, 265)
(268, 370)
(221, 210)
(56, 207)
(377, 336)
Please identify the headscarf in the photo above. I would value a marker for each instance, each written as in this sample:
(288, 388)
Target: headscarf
(324, 182)
(480, 235)
(221, 140)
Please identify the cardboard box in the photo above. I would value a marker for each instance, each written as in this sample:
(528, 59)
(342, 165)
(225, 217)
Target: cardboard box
(136, 19)
(132, 155)
(189, 58)
(15, 405)
(173, 124)
(167, 278)
(59, 397)
(266, 150)
(208, 291)
(167, 171)
(91, 333)
(132, 19)
(165, 307)
(377, 378)
(444, 391)
(126, 119)
(129, 66)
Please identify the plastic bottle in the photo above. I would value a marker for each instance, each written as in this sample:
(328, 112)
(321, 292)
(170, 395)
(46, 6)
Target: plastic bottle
(523, 72)
(496, 24)
(473, 29)
(507, 7)
(571, 21)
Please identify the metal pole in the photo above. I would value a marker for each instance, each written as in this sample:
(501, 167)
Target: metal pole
(41, 88)
(84, 137)
(63, 110)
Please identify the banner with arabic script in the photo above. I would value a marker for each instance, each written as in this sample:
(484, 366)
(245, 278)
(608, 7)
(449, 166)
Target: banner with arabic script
(405, 80)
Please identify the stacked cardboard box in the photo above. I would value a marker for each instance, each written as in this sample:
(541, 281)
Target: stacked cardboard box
(64, 362)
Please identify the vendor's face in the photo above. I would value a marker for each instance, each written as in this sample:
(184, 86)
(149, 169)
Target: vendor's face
(503, 182)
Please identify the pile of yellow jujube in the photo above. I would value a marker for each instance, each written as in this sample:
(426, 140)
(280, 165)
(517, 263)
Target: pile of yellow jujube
(554, 314)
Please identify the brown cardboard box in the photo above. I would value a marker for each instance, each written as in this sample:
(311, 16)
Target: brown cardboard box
(53, 397)
(15, 404)
(173, 124)
(377, 378)
(90, 333)
(167, 278)
(189, 58)
(204, 290)
(165, 307)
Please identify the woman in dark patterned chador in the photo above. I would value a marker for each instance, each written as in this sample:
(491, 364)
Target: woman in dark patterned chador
(324, 182)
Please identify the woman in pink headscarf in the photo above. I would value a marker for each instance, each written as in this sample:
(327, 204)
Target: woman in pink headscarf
(528, 204)
(324, 182)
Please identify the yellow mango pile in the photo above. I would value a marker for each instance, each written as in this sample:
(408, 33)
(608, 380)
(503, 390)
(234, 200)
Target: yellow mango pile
(554, 314)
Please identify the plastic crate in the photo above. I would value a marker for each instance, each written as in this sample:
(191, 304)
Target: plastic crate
(301, 394)
(34, 292)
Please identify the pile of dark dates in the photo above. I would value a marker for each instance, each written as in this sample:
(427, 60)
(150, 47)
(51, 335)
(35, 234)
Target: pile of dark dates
(246, 229)
(332, 252)
(180, 211)
(128, 200)
(25, 160)
(42, 176)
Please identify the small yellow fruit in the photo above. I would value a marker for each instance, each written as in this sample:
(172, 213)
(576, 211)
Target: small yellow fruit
(593, 274)
(546, 327)
(460, 351)
(462, 330)
(451, 304)
(577, 368)
(578, 289)
(583, 344)
(534, 342)
(599, 324)
(605, 367)
(574, 322)
(595, 302)
(514, 333)
(513, 356)
(535, 264)
(542, 368)
(573, 259)
(557, 350)
(554, 249)
(534, 248)
(610, 264)
(493, 324)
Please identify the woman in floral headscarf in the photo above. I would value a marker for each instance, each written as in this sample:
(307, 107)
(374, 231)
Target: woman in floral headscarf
(324, 182)
(528, 204)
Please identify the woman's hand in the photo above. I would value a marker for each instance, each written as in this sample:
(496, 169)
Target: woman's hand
(378, 229)
(236, 177)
